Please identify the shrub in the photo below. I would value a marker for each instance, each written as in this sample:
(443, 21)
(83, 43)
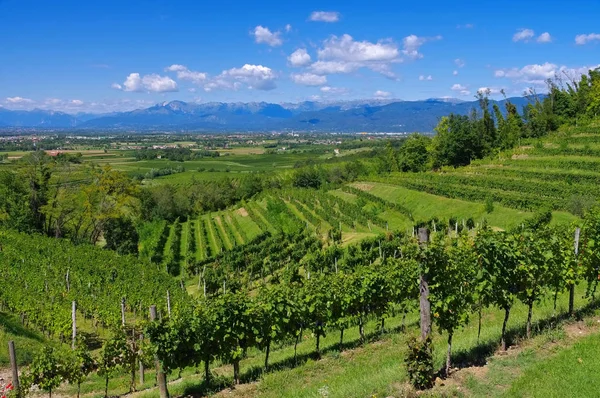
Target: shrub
(419, 363)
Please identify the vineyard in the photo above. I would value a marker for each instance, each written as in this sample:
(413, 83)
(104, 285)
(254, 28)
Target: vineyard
(291, 279)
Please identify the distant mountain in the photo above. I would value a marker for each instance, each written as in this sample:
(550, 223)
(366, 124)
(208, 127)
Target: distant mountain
(341, 116)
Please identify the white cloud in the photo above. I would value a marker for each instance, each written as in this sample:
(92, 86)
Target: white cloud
(462, 90)
(184, 73)
(537, 74)
(308, 79)
(256, 77)
(324, 16)
(152, 83)
(583, 39)
(425, 78)
(288, 28)
(345, 55)
(328, 90)
(460, 62)
(264, 35)
(76, 102)
(345, 48)
(412, 44)
(19, 100)
(465, 26)
(300, 57)
(382, 94)
(491, 90)
(544, 38)
(523, 35)
(455, 72)
(332, 67)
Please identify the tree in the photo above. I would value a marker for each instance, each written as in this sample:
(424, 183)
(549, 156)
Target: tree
(457, 141)
(121, 236)
(413, 155)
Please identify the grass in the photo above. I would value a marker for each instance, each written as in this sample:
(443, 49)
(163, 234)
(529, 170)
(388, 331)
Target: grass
(572, 372)
(245, 222)
(423, 206)
(27, 342)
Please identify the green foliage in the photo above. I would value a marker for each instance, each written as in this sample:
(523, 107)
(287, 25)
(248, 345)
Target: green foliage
(47, 371)
(121, 236)
(419, 363)
(489, 204)
(413, 155)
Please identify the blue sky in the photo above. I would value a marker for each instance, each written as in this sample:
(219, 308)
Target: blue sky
(116, 55)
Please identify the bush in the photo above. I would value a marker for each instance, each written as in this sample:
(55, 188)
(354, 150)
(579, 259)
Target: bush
(419, 363)
(580, 204)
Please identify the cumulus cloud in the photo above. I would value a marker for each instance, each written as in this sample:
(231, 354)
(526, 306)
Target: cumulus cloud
(345, 48)
(425, 78)
(256, 77)
(288, 28)
(537, 74)
(412, 44)
(455, 72)
(19, 100)
(523, 35)
(308, 79)
(584, 39)
(324, 16)
(460, 62)
(544, 38)
(345, 55)
(76, 102)
(264, 35)
(149, 83)
(328, 90)
(333, 67)
(490, 90)
(379, 94)
(299, 58)
(183, 73)
(459, 88)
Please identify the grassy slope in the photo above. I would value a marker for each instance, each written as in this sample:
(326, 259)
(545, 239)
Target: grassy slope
(27, 342)
(572, 372)
(424, 205)
(252, 230)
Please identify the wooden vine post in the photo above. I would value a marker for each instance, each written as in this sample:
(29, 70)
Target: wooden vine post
(572, 287)
(161, 378)
(424, 304)
(74, 321)
(123, 311)
(15, 369)
(141, 362)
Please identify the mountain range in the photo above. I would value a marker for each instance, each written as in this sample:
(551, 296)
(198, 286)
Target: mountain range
(342, 116)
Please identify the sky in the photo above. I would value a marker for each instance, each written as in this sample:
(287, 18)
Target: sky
(102, 56)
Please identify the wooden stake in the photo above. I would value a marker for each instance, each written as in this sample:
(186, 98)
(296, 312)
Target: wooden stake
(424, 304)
(15, 369)
(168, 303)
(161, 379)
(141, 371)
(123, 311)
(572, 287)
(74, 321)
